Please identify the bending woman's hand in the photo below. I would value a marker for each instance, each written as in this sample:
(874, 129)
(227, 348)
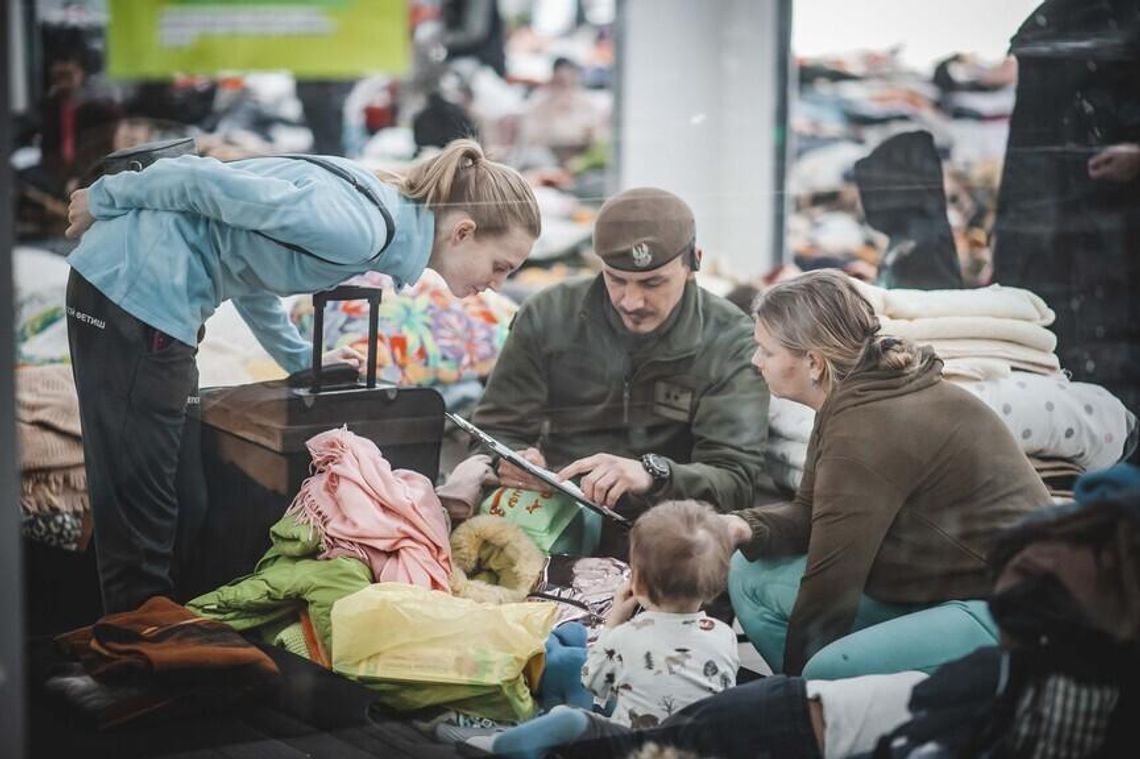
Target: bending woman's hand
(345, 355)
(79, 219)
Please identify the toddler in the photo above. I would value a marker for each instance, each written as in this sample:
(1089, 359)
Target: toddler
(652, 664)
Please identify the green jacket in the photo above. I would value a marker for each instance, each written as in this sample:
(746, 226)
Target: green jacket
(566, 383)
(288, 576)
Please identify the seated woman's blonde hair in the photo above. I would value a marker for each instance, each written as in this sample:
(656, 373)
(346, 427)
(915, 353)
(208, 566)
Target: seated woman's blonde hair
(823, 311)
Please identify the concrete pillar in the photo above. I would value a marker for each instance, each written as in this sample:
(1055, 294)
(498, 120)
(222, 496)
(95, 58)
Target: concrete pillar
(697, 100)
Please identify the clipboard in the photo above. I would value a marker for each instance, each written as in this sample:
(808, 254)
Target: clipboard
(545, 475)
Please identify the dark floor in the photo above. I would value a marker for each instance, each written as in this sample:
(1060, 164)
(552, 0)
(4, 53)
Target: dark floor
(315, 714)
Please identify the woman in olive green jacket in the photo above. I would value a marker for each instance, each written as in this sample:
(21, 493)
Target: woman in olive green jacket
(879, 564)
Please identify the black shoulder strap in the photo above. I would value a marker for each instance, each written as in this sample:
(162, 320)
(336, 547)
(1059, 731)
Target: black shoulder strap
(360, 187)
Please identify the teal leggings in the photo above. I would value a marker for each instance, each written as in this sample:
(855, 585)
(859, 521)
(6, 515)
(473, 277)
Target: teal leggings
(885, 638)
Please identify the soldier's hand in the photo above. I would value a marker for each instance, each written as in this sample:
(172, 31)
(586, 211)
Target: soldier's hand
(606, 478)
(512, 477)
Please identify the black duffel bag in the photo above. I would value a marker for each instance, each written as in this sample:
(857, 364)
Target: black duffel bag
(138, 157)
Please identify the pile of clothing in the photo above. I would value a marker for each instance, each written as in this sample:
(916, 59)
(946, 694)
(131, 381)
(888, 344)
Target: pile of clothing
(848, 105)
(53, 483)
(980, 334)
(365, 577)
(1067, 600)
(994, 343)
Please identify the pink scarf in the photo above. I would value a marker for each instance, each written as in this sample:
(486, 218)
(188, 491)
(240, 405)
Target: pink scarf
(392, 520)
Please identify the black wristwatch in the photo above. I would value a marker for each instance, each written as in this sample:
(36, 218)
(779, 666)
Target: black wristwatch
(659, 469)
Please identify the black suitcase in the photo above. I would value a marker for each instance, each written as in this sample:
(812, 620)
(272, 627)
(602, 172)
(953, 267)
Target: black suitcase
(254, 454)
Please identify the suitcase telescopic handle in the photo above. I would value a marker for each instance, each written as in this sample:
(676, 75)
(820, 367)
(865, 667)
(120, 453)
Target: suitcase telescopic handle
(341, 293)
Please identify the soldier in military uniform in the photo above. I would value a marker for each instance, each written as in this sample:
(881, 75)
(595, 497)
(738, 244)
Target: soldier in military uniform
(637, 380)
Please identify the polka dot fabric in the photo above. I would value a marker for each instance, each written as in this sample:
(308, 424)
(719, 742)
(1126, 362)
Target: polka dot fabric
(1049, 416)
(1052, 417)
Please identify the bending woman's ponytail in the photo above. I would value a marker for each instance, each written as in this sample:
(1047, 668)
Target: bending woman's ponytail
(462, 178)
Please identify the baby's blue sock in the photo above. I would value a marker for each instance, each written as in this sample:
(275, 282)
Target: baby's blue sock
(533, 739)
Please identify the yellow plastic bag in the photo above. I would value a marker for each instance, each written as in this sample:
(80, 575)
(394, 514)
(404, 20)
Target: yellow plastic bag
(420, 647)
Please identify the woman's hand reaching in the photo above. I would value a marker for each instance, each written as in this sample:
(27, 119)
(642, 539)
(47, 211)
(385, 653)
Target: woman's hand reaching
(738, 530)
(344, 355)
(79, 219)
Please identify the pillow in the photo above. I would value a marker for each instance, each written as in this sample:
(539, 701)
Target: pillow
(1053, 417)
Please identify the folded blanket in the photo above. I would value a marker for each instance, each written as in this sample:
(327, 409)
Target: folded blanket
(975, 368)
(53, 481)
(1058, 475)
(55, 490)
(47, 415)
(994, 301)
(389, 519)
(790, 452)
(1032, 336)
(789, 420)
(1055, 467)
(785, 462)
(67, 530)
(1017, 356)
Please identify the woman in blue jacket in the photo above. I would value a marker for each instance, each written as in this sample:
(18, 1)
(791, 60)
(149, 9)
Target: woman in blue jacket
(162, 248)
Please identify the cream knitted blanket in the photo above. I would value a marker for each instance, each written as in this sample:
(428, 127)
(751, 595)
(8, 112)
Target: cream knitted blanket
(50, 442)
(993, 301)
(1027, 334)
(1016, 355)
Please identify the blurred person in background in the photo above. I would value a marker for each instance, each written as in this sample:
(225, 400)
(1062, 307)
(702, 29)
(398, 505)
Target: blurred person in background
(561, 116)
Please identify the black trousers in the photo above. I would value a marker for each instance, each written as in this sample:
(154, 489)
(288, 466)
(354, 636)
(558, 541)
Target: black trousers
(764, 719)
(138, 393)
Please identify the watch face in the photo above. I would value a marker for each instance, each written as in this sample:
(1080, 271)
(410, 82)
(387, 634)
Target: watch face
(656, 466)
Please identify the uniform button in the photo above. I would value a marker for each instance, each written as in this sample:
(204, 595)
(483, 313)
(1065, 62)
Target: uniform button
(1099, 331)
(1090, 366)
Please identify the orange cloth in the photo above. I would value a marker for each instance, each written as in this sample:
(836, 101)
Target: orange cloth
(159, 658)
(162, 637)
(390, 519)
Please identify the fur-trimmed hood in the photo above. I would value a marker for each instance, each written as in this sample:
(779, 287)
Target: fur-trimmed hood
(493, 561)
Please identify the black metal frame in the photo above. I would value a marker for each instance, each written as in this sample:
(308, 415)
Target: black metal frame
(786, 84)
(12, 722)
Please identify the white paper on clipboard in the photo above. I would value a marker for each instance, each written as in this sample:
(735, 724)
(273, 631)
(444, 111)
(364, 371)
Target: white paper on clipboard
(545, 475)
